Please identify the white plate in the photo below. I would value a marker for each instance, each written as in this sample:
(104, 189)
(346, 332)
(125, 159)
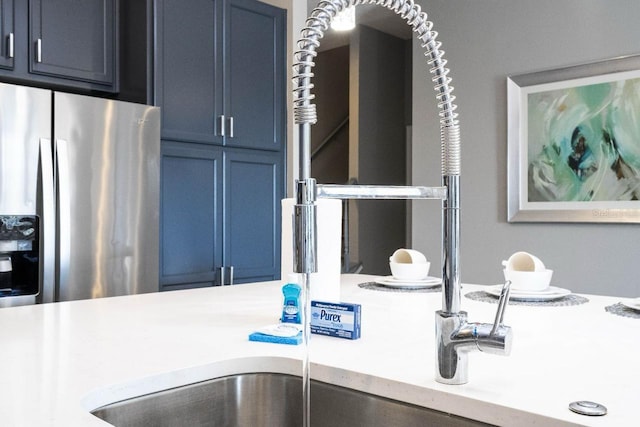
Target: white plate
(633, 304)
(548, 294)
(392, 282)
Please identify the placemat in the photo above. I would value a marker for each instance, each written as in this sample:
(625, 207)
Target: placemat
(621, 310)
(570, 299)
(373, 286)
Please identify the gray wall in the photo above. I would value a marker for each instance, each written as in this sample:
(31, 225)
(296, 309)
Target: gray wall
(484, 43)
(377, 144)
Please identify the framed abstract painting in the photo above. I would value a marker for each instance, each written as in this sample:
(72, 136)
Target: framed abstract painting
(574, 143)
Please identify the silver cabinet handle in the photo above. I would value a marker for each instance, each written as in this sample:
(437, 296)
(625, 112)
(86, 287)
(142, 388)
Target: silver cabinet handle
(222, 126)
(39, 50)
(47, 222)
(221, 276)
(10, 45)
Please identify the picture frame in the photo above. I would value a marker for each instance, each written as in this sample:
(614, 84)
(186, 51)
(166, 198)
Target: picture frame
(574, 143)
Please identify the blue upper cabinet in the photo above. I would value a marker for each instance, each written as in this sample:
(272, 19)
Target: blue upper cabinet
(7, 34)
(220, 72)
(73, 39)
(60, 43)
(254, 75)
(189, 69)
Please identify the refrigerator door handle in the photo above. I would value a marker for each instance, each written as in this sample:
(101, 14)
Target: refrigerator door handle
(47, 223)
(64, 215)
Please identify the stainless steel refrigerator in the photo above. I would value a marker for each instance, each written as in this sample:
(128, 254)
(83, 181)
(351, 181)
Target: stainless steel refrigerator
(79, 196)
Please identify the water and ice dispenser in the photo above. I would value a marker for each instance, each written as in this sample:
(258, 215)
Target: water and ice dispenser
(19, 255)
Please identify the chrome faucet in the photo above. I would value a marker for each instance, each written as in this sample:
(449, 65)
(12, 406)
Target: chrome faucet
(455, 337)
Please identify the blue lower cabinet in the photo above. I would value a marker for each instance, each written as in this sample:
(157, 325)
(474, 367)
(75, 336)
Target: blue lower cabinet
(220, 215)
(252, 214)
(190, 215)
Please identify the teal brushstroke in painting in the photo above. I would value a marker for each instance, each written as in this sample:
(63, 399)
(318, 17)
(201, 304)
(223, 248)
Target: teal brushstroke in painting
(594, 97)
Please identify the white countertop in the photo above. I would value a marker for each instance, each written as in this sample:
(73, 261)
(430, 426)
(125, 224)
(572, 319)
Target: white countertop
(59, 361)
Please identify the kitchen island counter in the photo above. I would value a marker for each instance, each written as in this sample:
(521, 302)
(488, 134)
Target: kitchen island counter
(59, 361)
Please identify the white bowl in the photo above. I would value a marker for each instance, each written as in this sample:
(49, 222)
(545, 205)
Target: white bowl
(529, 280)
(409, 271)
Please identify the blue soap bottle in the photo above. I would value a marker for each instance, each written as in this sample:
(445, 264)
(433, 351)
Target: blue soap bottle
(291, 306)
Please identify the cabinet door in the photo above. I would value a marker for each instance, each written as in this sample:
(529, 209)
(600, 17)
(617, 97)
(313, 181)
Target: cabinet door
(7, 41)
(253, 189)
(190, 215)
(189, 69)
(255, 74)
(73, 39)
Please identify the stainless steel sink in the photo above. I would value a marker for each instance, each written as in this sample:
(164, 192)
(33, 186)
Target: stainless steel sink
(269, 400)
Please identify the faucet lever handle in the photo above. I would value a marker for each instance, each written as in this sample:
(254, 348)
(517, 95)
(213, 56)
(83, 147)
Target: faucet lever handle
(502, 305)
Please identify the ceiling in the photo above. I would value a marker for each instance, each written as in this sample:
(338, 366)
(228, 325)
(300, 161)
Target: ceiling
(374, 16)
